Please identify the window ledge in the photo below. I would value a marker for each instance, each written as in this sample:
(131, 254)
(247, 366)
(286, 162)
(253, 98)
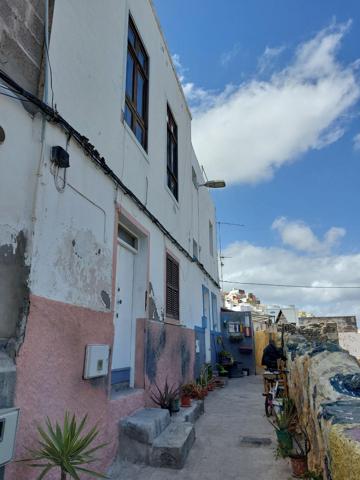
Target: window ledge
(172, 321)
(175, 202)
(136, 141)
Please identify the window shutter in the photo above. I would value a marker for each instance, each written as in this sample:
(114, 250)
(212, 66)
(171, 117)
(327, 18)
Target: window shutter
(172, 288)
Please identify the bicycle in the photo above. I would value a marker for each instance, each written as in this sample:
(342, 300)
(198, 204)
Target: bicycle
(274, 392)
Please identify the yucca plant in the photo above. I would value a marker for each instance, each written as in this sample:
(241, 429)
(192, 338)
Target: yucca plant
(66, 448)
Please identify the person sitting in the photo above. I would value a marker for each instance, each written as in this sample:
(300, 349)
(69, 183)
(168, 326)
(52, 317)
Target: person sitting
(271, 355)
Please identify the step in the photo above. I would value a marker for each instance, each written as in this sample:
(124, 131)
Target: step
(146, 424)
(189, 414)
(172, 446)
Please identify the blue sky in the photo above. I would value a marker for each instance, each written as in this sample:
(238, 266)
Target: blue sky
(274, 89)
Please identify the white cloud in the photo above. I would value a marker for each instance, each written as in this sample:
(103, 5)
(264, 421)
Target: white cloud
(250, 263)
(267, 58)
(246, 132)
(356, 140)
(228, 56)
(298, 235)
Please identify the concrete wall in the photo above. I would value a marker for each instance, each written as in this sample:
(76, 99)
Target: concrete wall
(19, 154)
(344, 324)
(164, 353)
(323, 381)
(21, 40)
(350, 341)
(49, 378)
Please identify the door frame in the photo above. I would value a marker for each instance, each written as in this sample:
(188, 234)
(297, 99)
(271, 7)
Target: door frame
(123, 216)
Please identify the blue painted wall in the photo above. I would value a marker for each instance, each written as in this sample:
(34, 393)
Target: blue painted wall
(247, 360)
(199, 356)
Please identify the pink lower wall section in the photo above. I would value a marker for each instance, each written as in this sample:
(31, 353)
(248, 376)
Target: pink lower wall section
(167, 353)
(49, 378)
(50, 368)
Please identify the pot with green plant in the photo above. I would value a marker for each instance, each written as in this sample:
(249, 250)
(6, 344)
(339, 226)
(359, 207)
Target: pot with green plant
(186, 392)
(226, 358)
(284, 422)
(166, 397)
(222, 371)
(299, 454)
(65, 447)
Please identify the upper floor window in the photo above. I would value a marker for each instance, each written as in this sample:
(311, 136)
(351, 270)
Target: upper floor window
(172, 288)
(172, 154)
(211, 239)
(137, 68)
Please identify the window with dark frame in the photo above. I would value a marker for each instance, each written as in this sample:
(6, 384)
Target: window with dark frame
(172, 288)
(137, 76)
(172, 154)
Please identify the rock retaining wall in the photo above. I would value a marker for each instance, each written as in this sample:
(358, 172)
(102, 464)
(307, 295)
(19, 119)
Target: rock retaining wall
(324, 382)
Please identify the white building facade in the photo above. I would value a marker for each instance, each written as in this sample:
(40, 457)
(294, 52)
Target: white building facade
(119, 247)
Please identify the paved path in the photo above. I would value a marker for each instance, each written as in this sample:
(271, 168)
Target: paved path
(219, 453)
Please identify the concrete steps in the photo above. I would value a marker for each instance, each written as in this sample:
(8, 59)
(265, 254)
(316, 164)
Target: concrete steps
(150, 436)
(172, 446)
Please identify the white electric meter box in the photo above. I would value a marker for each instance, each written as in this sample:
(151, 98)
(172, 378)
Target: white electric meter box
(96, 361)
(8, 426)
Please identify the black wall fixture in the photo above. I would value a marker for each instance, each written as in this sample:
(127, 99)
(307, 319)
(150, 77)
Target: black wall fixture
(60, 157)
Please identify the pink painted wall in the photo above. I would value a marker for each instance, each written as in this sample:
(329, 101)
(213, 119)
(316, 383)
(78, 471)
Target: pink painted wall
(168, 353)
(49, 378)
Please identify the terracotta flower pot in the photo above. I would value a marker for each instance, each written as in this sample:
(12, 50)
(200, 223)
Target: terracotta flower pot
(185, 401)
(299, 466)
(210, 388)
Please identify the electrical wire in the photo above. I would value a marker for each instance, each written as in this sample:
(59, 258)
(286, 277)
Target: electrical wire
(100, 162)
(292, 286)
(14, 97)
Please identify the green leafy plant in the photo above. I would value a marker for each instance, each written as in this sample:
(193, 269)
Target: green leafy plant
(66, 448)
(286, 418)
(204, 375)
(187, 389)
(166, 396)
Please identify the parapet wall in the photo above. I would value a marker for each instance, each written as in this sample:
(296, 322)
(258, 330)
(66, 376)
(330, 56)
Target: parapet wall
(324, 382)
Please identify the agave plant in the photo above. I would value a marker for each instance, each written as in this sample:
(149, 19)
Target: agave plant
(165, 397)
(66, 448)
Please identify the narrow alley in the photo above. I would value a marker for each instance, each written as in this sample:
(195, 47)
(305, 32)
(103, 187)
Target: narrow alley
(233, 441)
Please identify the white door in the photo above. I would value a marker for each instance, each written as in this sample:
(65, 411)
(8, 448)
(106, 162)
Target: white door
(123, 320)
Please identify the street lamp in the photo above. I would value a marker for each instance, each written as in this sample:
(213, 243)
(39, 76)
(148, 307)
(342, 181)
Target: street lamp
(213, 184)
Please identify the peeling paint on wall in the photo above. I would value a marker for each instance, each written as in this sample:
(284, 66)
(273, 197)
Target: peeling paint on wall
(14, 291)
(153, 313)
(83, 270)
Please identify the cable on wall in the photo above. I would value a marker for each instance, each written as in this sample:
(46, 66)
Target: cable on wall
(89, 149)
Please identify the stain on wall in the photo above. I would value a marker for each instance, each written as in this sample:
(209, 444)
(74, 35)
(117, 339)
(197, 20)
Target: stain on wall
(153, 313)
(14, 290)
(169, 354)
(83, 270)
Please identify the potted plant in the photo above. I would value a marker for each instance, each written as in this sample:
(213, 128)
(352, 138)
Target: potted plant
(66, 448)
(225, 357)
(299, 455)
(222, 371)
(283, 423)
(186, 392)
(198, 392)
(166, 398)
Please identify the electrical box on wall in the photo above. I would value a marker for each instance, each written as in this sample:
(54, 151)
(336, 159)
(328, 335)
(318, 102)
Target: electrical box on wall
(96, 361)
(8, 426)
